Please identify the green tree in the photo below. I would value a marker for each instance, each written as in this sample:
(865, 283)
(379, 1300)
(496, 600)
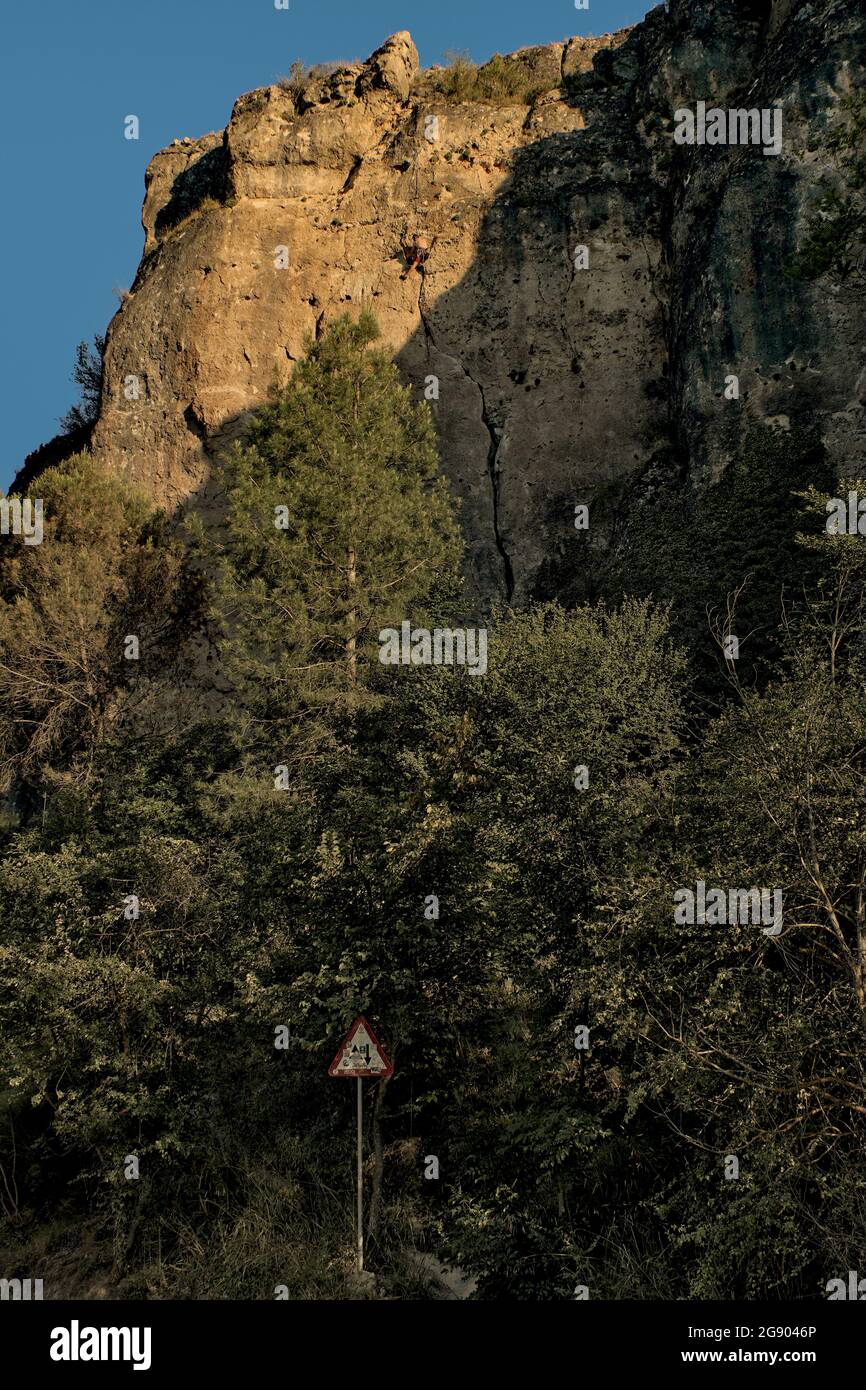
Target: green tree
(106, 570)
(735, 1044)
(87, 375)
(338, 524)
(562, 763)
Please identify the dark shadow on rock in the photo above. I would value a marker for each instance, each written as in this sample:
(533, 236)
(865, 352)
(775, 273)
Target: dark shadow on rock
(206, 177)
(558, 386)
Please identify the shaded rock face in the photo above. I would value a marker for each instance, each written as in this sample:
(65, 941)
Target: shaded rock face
(554, 384)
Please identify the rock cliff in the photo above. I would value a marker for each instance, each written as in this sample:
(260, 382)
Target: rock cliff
(557, 384)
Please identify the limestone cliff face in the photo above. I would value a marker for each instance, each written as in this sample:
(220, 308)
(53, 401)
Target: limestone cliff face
(557, 384)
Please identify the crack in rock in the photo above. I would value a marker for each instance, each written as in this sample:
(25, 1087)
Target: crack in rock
(422, 312)
(492, 448)
(493, 474)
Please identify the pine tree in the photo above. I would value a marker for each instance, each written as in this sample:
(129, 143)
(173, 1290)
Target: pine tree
(87, 375)
(338, 524)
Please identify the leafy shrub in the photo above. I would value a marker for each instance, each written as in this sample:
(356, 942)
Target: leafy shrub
(499, 82)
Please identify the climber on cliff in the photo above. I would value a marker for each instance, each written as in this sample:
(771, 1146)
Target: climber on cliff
(416, 252)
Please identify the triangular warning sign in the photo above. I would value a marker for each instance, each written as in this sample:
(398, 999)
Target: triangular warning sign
(360, 1054)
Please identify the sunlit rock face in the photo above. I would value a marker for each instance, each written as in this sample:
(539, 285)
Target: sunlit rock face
(591, 284)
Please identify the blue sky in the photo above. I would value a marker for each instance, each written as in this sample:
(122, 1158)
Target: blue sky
(72, 72)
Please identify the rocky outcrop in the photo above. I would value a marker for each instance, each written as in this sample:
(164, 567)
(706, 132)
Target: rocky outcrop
(553, 384)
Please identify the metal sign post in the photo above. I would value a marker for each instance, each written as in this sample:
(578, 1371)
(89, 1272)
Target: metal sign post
(359, 1083)
(360, 1055)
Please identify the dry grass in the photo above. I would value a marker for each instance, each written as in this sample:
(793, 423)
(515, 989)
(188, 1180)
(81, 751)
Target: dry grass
(499, 82)
(301, 77)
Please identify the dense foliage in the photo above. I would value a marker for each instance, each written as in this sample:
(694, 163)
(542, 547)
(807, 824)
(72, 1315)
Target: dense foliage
(254, 830)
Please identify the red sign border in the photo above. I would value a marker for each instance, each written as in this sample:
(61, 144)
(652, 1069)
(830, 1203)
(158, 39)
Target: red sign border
(350, 1075)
